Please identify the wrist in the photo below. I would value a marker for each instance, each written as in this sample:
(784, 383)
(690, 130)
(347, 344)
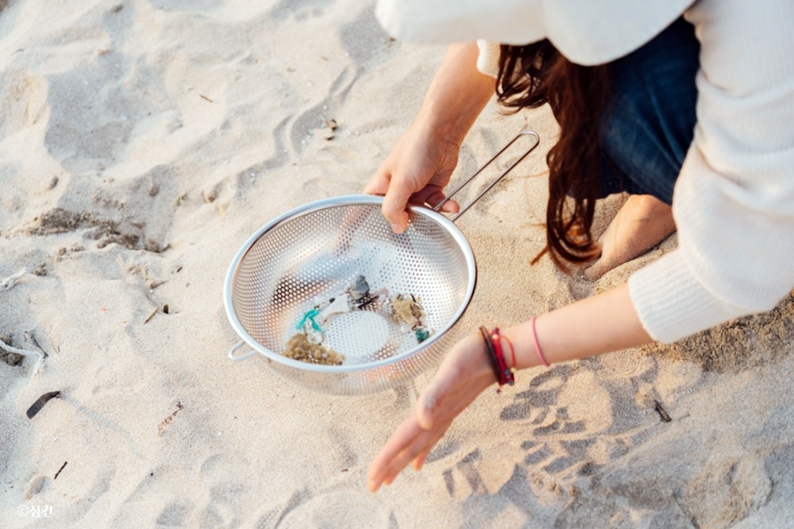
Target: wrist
(480, 371)
(523, 346)
(438, 128)
(504, 352)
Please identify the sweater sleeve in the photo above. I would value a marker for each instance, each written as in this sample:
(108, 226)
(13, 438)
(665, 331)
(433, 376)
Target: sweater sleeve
(488, 58)
(734, 199)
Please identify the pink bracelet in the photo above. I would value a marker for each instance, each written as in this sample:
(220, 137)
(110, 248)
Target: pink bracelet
(537, 344)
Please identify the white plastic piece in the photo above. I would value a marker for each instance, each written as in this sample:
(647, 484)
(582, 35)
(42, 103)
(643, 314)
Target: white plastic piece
(9, 282)
(341, 304)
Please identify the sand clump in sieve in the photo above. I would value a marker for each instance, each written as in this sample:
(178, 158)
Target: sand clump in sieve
(300, 348)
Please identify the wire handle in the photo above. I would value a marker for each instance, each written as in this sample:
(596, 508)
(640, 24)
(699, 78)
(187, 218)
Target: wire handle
(496, 180)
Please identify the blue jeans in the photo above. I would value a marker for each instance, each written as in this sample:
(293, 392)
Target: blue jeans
(649, 122)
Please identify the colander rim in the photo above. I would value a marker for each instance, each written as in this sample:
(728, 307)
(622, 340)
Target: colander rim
(346, 200)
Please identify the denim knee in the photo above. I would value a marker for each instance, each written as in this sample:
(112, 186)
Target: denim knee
(649, 121)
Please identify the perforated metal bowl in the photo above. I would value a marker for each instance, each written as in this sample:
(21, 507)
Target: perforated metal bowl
(313, 252)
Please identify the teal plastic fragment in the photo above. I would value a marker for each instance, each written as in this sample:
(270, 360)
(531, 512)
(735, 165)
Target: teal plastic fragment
(310, 316)
(422, 334)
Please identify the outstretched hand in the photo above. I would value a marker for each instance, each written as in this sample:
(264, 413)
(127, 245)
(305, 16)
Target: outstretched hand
(462, 376)
(416, 171)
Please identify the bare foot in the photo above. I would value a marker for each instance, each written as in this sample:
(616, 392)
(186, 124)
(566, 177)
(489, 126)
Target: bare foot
(642, 223)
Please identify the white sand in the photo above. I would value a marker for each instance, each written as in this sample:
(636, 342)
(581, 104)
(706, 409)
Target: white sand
(143, 112)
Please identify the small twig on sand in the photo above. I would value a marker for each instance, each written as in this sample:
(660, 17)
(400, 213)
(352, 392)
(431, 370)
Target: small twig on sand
(59, 470)
(151, 315)
(9, 282)
(661, 411)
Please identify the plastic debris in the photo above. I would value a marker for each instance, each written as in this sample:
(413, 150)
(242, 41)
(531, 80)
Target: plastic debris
(308, 345)
(359, 289)
(11, 281)
(337, 305)
(24, 352)
(309, 318)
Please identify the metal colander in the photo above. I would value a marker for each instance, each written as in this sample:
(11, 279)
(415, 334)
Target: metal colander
(316, 251)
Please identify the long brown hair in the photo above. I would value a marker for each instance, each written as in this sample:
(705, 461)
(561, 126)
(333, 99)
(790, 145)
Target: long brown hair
(537, 73)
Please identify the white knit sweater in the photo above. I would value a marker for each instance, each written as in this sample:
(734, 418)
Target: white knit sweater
(734, 199)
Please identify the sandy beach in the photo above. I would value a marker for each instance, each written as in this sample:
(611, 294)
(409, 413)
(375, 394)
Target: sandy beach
(143, 141)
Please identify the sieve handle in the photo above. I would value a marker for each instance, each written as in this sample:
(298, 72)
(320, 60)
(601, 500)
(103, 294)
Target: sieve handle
(488, 188)
(243, 356)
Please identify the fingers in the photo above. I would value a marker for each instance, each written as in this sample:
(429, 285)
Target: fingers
(399, 441)
(416, 452)
(394, 204)
(379, 183)
(413, 441)
(436, 197)
(400, 190)
(419, 462)
(464, 374)
(450, 206)
(395, 201)
(433, 196)
(409, 443)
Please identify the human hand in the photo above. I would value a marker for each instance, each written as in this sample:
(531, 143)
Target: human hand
(416, 171)
(462, 376)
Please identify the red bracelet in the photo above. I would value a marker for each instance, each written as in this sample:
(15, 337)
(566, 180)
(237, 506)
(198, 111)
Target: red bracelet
(500, 359)
(508, 376)
(512, 354)
(493, 347)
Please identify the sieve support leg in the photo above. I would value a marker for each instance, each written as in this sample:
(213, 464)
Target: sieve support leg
(243, 356)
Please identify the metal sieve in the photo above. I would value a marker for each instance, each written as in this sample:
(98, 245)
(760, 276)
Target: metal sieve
(315, 251)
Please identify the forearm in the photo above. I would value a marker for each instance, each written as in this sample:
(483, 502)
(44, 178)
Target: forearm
(599, 324)
(458, 93)
(606, 322)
